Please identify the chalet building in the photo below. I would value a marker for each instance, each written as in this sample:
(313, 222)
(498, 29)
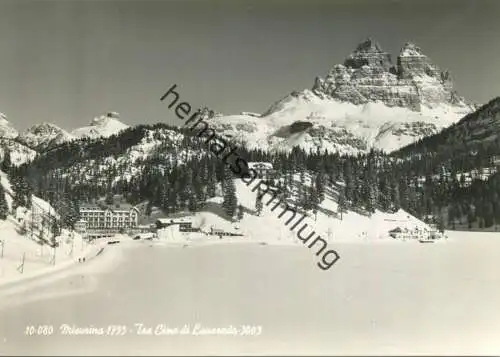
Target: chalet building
(98, 217)
(263, 169)
(174, 229)
(416, 233)
(180, 224)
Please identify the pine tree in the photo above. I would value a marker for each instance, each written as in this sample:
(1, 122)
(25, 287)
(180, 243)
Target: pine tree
(229, 194)
(109, 199)
(258, 204)
(22, 192)
(320, 186)
(441, 223)
(24, 228)
(193, 203)
(74, 214)
(241, 212)
(4, 208)
(211, 189)
(395, 197)
(6, 163)
(55, 229)
(341, 204)
(312, 201)
(149, 208)
(369, 196)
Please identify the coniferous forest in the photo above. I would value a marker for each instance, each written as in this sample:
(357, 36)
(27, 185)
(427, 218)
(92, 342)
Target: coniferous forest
(182, 174)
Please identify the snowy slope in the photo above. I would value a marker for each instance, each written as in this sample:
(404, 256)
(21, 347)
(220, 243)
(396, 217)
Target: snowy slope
(164, 144)
(17, 245)
(270, 228)
(102, 126)
(19, 152)
(334, 125)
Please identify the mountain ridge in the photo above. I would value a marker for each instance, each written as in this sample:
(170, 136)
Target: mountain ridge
(366, 102)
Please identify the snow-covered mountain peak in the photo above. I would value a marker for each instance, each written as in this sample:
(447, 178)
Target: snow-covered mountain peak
(7, 130)
(369, 53)
(44, 129)
(102, 126)
(410, 49)
(44, 136)
(104, 119)
(366, 102)
(368, 75)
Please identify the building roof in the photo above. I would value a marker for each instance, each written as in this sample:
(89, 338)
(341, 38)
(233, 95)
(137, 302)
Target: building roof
(172, 220)
(122, 207)
(260, 165)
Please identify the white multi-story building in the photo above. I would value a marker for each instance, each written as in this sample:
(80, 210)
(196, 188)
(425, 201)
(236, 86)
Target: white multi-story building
(109, 218)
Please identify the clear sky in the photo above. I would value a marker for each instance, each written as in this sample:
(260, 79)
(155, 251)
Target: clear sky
(68, 61)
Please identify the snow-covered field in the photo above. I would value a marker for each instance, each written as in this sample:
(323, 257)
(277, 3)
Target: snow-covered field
(38, 259)
(378, 299)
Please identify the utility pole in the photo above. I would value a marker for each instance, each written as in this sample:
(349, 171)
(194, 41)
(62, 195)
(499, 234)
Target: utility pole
(21, 266)
(2, 242)
(329, 232)
(32, 221)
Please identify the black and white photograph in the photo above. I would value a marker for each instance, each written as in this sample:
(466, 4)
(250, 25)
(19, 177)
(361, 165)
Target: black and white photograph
(249, 177)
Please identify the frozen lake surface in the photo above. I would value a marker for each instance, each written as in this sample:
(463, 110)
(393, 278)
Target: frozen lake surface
(379, 298)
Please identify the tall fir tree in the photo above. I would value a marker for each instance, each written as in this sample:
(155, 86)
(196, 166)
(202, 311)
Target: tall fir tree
(230, 201)
(241, 213)
(4, 208)
(258, 204)
(6, 162)
(341, 204)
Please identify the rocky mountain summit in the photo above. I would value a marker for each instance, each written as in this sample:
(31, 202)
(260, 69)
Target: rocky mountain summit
(102, 126)
(368, 74)
(39, 138)
(44, 136)
(366, 102)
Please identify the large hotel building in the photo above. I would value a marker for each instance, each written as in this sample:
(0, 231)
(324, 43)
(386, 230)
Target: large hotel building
(97, 217)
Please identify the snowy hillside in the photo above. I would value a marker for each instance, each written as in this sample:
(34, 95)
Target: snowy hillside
(311, 122)
(104, 125)
(270, 228)
(18, 241)
(366, 102)
(19, 151)
(161, 145)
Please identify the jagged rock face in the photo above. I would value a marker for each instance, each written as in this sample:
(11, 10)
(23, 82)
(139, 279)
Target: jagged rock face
(44, 136)
(369, 53)
(369, 75)
(412, 62)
